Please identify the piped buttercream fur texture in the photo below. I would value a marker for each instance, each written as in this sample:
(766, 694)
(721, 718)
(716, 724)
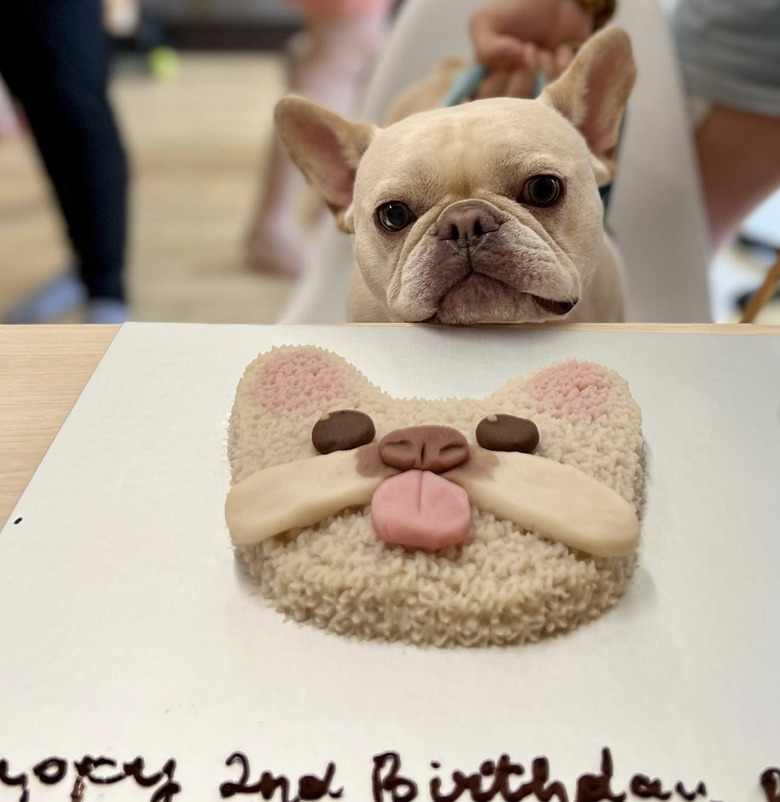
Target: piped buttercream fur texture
(504, 585)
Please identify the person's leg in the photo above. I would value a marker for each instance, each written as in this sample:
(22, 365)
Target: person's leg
(739, 158)
(55, 59)
(330, 72)
(334, 69)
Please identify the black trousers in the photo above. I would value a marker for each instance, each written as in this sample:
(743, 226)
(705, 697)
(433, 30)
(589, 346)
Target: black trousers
(54, 57)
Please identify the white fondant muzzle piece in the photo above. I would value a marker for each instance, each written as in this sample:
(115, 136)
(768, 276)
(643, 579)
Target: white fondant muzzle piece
(296, 494)
(556, 501)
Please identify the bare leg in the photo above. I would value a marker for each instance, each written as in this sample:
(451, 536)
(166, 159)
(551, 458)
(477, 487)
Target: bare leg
(739, 157)
(10, 125)
(331, 73)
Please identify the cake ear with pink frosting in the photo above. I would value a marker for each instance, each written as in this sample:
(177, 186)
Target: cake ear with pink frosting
(335, 524)
(299, 382)
(279, 399)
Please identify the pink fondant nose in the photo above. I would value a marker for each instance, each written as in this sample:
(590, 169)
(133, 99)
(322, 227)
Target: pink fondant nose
(422, 510)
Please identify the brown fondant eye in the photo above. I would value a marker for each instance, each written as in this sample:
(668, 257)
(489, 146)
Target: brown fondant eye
(507, 433)
(342, 430)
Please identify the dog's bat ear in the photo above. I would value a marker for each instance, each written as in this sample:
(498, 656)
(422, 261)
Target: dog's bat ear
(592, 94)
(327, 150)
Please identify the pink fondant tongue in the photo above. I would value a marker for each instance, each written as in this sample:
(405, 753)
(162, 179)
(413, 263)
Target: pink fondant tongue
(422, 510)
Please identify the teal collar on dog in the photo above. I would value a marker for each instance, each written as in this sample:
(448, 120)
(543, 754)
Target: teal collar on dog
(465, 84)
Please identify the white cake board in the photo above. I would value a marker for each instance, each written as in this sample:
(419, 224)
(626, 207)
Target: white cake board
(127, 628)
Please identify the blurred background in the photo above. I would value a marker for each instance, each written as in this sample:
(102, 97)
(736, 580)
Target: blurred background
(193, 86)
(193, 90)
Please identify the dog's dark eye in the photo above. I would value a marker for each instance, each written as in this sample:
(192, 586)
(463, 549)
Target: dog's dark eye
(541, 190)
(394, 216)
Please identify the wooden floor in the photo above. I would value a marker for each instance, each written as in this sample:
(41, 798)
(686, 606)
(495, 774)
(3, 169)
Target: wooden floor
(195, 143)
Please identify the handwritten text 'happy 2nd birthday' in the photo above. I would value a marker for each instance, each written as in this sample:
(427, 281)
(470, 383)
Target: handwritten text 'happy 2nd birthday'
(503, 780)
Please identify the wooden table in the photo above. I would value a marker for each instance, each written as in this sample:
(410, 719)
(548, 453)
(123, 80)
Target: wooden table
(43, 369)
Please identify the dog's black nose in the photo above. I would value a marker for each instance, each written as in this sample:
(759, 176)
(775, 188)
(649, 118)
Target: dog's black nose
(465, 226)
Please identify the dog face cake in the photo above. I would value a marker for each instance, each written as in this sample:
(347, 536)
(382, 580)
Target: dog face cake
(464, 522)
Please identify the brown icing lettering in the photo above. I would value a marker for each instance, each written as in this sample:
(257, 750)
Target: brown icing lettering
(424, 448)
(541, 786)
(310, 787)
(313, 787)
(342, 430)
(17, 521)
(468, 782)
(267, 785)
(51, 771)
(700, 790)
(11, 780)
(770, 782)
(87, 765)
(228, 789)
(492, 779)
(507, 433)
(595, 787)
(135, 769)
(500, 772)
(400, 789)
(165, 792)
(504, 770)
(645, 788)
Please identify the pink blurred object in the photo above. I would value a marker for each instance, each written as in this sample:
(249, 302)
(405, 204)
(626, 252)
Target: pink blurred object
(330, 10)
(10, 121)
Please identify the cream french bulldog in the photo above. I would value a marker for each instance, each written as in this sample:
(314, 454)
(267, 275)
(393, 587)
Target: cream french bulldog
(486, 212)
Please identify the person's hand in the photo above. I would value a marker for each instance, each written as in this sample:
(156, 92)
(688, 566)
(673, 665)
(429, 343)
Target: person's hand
(515, 39)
